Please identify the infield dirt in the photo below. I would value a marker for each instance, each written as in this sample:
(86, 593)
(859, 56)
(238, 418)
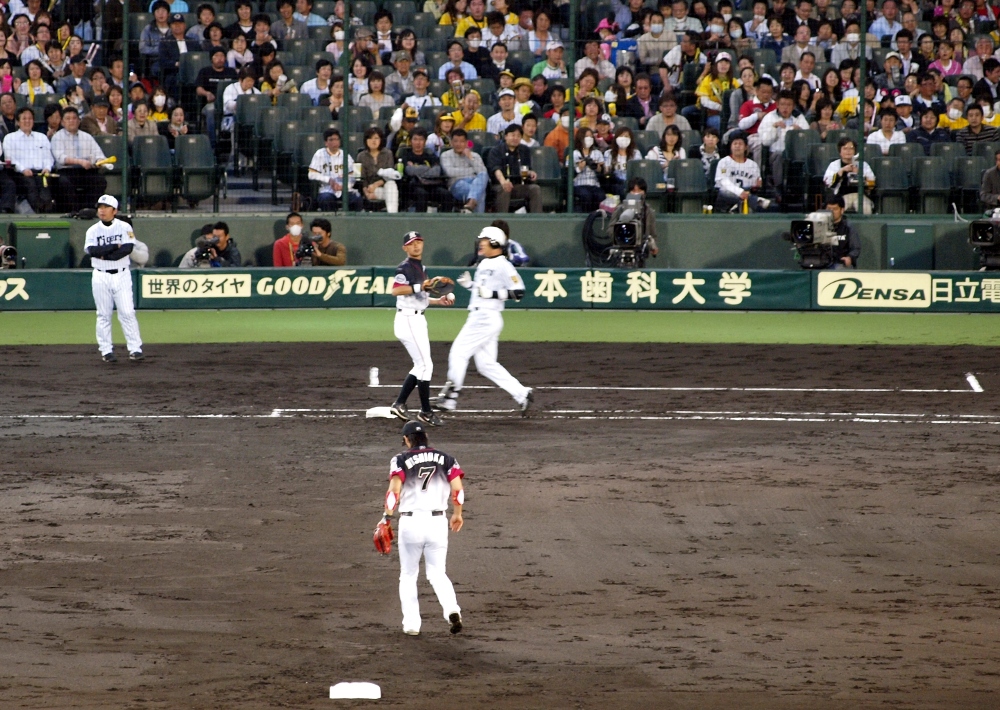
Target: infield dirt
(722, 562)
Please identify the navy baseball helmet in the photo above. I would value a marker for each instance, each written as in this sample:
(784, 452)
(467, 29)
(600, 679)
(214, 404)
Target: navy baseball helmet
(411, 428)
(411, 237)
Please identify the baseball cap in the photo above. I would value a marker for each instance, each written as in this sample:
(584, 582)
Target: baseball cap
(401, 55)
(605, 118)
(107, 200)
(554, 44)
(177, 17)
(413, 428)
(723, 55)
(410, 112)
(890, 55)
(505, 92)
(408, 238)
(217, 50)
(903, 100)
(100, 101)
(522, 81)
(77, 59)
(507, 72)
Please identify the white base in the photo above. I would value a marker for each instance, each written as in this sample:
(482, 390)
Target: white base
(379, 413)
(353, 691)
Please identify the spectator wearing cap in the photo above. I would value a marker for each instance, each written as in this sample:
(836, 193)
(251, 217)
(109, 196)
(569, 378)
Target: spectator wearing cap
(892, 77)
(98, 122)
(522, 92)
(466, 173)
(713, 86)
(400, 138)
(327, 169)
(976, 131)
(667, 116)
(170, 51)
(76, 155)
(593, 59)
(475, 53)
(509, 166)
(152, 34)
(497, 123)
(76, 77)
(604, 136)
(928, 132)
(841, 176)
(888, 24)
(887, 135)
(642, 106)
(552, 67)
(207, 86)
(319, 86)
(400, 82)
(287, 27)
(987, 86)
(456, 60)
(904, 110)
(500, 62)
(421, 96)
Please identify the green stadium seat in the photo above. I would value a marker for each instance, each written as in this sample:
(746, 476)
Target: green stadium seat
(968, 177)
(545, 163)
(113, 146)
(690, 188)
(932, 181)
(155, 169)
(199, 177)
(891, 184)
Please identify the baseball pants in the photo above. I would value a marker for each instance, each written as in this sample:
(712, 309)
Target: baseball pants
(427, 535)
(111, 291)
(478, 339)
(410, 328)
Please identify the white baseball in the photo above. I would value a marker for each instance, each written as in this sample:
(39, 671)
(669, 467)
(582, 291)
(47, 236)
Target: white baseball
(448, 298)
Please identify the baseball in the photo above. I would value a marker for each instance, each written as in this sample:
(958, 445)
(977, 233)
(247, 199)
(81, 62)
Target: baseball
(448, 298)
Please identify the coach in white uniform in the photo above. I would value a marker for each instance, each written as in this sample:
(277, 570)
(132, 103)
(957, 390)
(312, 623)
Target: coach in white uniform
(495, 281)
(109, 244)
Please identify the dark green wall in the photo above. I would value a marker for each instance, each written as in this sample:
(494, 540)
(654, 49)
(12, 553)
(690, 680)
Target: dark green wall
(686, 241)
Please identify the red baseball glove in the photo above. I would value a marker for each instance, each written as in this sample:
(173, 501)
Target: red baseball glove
(383, 537)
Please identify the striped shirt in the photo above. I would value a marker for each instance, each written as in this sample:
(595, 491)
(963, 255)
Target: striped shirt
(74, 145)
(28, 152)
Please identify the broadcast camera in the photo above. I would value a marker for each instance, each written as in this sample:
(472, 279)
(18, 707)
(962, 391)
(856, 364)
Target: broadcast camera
(205, 251)
(984, 235)
(813, 238)
(8, 257)
(629, 237)
(307, 247)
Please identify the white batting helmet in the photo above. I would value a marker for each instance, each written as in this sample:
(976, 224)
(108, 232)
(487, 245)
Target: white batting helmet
(495, 235)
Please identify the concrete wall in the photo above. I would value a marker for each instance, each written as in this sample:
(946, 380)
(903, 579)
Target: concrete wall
(686, 241)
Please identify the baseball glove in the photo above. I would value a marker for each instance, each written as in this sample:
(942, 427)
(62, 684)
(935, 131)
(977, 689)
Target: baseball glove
(383, 537)
(439, 286)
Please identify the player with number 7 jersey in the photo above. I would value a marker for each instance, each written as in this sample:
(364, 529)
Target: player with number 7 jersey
(422, 480)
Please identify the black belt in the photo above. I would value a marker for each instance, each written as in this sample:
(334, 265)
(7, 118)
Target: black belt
(409, 311)
(433, 512)
(109, 271)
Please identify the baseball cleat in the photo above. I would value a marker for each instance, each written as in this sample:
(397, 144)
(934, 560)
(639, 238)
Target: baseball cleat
(411, 632)
(399, 409)
(456, 622)
(527, 402)
(429, 418)
(109, 357)
(445, 404)
(136, 356)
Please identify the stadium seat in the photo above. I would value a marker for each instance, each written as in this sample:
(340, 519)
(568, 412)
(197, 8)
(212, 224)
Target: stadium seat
(365, 9)
(137, 22)
(266, 129)
(430, 113)
(312, 57)
(402, 11)
(968, 177)
(628, 121)
(320, 34)
(485, 87)
(690, 188)
(438, 39)
(932, 181)
(545, 163)
(833, 137)
(155, 169)
(481, 140)
(298, 49)
(113, 146)
(651, 139)
(525, 58)
(285, 145)
(764, 56)
(248, 108)
(191, 63)
(798, 145)
(652, 173)
(306, 148)
(422, 23)
(358, 115)
(820, 157)
(907, 152)
(435, 59)
(199, 178)
(689, 82)
(986, 150)
(295, 104)
(324, 8)
(948, 151)
(891, 185)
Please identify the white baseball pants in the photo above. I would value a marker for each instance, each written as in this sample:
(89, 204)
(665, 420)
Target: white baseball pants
(115, 291)
(479, 339)
(410, 328)
(427, 535)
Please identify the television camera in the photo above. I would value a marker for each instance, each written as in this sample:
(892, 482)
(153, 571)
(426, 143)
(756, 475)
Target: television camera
(8, 257)
(984, 236)
(621, 241)
(814, 238)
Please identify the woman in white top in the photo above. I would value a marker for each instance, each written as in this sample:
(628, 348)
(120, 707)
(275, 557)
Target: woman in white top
(34, 85)
(239, 56)
(539, 38)
(616, 159)
(670, 148)
(359, 79)
(588, 162)
(376, 99)
(242, 86)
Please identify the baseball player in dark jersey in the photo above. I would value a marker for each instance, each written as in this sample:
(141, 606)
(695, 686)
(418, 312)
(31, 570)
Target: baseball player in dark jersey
(421, 482)
(410, 327)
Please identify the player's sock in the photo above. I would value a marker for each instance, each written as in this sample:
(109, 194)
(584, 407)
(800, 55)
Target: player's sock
(424, 390)
(408, 384)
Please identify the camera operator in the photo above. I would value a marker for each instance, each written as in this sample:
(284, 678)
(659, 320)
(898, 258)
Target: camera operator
(847, 250)
(8, 256)
(637, 186)
(215, 249)
(318, 246)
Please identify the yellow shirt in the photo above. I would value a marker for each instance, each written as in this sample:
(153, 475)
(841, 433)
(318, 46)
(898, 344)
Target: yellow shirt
(993, 121)
(956, 125)
(713, 89)
(466, 23)
(446, 19)
(476, 123)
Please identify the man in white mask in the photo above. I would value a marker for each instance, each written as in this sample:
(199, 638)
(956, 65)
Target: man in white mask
(284, 248)
(850, 47)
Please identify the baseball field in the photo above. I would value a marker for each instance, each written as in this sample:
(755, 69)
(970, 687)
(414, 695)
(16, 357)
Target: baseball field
(703, 510)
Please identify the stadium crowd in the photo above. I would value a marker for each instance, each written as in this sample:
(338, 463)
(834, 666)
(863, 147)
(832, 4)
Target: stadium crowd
(466, 104)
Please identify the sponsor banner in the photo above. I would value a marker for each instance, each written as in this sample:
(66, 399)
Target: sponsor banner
(977, 291)
(46, 290)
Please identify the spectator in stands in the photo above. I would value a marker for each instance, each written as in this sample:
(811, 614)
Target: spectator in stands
(239, 55)
(680, 21)
(207, 86)
(974, 66)
(378, 174)
(34, 85)
(529, 126)
(711, 89)
(327, 169)
(456, 60)
(499, 32)
(141, 124)
(54, 63)
(975, 132)
(509, 166)
(116, 98)
(262, 37)
(888, 23)
(263, 56)
(284, 249)
(540, 92)
(954, 119)
(98, 122)
(913, 63)
(825, 119)
(499, 62)
(38, 50)
(641, 106)
(672, 67)
(964, 90)
(421, 98)
(400, 138)
(848, 249)
(475, 19)
(841, 176)
(275, 82)
(8, 114)
(466, 173)
(336, 99)
(319, 87)
(244, 22)
(19, 38)
(76, 155)
(136, 95)
(358, 80)
(988, 85)
(540, 37)
(651, 46)
(708, 152)
(736, 177)
(498, 122)
(440, 140)
(588, 161)
(159, 109)
(776, 39)
(616, 159)
(149, 39)
(31, 155)
(558, 137)
(928, 133)
(557, 100)
(457, 89)
(670, 149)
(53, 119)
(171, 48)
(850, 46)
(593, 59)
(400, 82)
(76, 77)
(304, 13)
(475, 54)
(287, 27)
(888, 135)
(454, 12)
(904, 108)
(376, 99)
(801, 44)
(772, 129)
(926, 97)
(753, 112)
(222, 254)
(383, 37)
(365, 47)
(552, 67)
(408, 43)
(243, 86)
(98, 82)
(801, 17)
(989, 191)
(468, 117)
(423, 180)
(336, 44)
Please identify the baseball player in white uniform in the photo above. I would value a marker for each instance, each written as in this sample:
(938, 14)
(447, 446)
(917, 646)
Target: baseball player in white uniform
(495, 281)
(410, 328)
(421, 482)
(109, 244)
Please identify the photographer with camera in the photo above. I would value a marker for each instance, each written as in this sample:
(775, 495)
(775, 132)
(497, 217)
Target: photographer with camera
(213, 249)
(847, 249)
(319, 248)
(284, 252)
(842, 176)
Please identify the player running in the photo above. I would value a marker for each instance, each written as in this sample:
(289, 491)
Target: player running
(421, 481)
(495, 281)
(109, 244)
(410, 327)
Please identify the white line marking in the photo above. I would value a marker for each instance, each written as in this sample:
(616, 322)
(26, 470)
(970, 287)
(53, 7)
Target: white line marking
(973, 382)
(609, 388)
